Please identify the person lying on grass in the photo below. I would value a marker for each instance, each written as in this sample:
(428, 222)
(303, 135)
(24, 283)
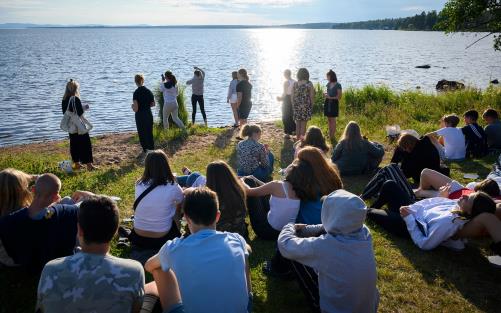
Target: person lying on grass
(440, 221)
(435, 184)
(42, 231)
(211, 267)
(340, 251)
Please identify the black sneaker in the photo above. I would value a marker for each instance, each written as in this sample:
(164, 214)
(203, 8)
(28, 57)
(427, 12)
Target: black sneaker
(495, 260)
(123, 232)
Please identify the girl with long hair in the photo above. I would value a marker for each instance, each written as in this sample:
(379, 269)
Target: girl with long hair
(170, 93)
(354, 154)
(154, 213)
(14, 190)
(231, 196)
(80, 145)
(332, 97)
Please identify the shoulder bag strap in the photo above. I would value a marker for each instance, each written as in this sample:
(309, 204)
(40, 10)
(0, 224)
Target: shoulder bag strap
(142, 195)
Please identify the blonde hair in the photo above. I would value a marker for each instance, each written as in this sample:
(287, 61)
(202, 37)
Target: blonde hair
(14, 190)
(72, 89)
(250, 129)
(352, 135)
(326, 173)
(139, 79)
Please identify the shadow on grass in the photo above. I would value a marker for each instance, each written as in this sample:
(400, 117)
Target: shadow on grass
(286, 153)
(467, 272)
(482, 167)
(224, 138)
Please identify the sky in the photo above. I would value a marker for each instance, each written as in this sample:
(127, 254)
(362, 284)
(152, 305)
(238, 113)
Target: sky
(207, 12)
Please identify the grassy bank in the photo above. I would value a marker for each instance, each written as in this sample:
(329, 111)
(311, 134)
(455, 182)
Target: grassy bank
(409, 280)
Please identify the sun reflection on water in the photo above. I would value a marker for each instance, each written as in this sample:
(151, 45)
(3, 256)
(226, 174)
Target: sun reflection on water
(276, 50)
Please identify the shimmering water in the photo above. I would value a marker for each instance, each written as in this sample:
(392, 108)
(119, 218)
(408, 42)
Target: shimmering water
(36, 63)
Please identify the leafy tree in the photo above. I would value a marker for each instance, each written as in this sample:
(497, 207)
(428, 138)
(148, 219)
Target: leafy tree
(472, 15)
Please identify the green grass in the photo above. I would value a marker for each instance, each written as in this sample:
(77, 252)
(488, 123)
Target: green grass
(409, 280)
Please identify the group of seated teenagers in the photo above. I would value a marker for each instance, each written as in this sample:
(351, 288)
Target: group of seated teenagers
(314, 222)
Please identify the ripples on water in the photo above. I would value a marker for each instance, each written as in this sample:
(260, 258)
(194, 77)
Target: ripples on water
(36, 63)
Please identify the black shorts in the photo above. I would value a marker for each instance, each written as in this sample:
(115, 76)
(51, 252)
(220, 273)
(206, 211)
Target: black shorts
(244, 110)
(331, 107)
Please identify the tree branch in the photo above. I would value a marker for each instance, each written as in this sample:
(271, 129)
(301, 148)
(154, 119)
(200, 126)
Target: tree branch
(476, 41)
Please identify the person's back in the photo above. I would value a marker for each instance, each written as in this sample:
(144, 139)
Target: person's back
(354, 160)
(249, 155)
(493, 132)
(210, 266)
(476, 140)
(34, 235)
(92, 280)
(169, 91)
(342, 256)
(90, 283)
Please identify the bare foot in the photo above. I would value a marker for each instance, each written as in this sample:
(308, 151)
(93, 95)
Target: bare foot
(77, 166)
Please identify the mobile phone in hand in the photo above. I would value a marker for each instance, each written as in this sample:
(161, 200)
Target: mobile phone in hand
(163, 77)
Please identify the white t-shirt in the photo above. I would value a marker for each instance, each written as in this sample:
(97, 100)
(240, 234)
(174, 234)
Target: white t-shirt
(155, 211)
(454, 142)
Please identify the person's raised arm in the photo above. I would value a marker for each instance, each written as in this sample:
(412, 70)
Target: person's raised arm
(202, 72)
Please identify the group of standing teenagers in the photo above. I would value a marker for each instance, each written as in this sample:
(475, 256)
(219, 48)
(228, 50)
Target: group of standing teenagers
(298, 99)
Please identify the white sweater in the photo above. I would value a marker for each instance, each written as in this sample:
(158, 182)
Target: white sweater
(438, 223)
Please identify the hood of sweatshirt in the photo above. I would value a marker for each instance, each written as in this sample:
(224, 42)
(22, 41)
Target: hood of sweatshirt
(343, 212)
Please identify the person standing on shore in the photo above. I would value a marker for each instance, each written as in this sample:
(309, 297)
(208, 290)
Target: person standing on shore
(197, 86)
(331, 105)
(287, 116)
(232, 96)
(303, 97)
(143, 101)
(171, 107)
(80, 145)
(244, 96)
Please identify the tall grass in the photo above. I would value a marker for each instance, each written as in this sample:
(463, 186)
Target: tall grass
(181, 101)
(374, 107)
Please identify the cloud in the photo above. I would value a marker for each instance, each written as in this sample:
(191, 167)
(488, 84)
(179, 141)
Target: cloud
(230, 4)
(414, 8)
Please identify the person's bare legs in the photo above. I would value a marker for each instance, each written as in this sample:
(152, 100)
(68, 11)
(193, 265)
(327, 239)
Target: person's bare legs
(165, 287)
(234, 108)
(242, 122)
(430, 183)
(478, 226)
(332, 127)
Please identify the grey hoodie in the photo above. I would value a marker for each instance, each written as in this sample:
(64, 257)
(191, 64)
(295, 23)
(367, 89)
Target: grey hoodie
(342, 256)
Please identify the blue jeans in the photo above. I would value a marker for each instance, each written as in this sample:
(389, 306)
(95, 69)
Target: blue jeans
(261, 173)
(188, 180)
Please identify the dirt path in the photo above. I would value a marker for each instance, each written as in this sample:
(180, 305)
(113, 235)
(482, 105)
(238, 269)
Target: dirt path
(120, 147)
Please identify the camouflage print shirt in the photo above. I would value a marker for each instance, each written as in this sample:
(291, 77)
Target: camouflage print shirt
(90, 283)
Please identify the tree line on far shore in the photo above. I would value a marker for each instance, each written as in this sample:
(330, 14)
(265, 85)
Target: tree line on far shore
(424, 21)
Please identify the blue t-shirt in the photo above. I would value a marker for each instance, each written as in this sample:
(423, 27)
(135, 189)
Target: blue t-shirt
(210, 269)
(32, 242)
(310, 212)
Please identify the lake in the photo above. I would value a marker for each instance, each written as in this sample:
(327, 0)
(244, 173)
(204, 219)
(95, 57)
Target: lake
(36, 64)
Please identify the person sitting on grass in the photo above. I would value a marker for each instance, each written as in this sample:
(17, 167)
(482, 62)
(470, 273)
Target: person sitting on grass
(493, 129)
(230, 193)
(340, 251)
(321, 178)
(15, 190)
(453, 147)
(211, 267)
(354, 154)
(414, 155)
(313, 138)
(43, 231)
(254, 158)
(476, 139)
(435, 184)
(157, 196)
(92, 280)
